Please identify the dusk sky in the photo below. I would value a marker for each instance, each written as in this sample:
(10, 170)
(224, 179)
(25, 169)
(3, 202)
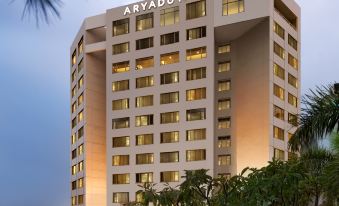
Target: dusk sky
(34, 87)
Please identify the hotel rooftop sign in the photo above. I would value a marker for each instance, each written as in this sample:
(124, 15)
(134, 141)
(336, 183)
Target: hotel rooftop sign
(145, 5)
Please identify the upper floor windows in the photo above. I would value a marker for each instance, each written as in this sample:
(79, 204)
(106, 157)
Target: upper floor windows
(196, 53)
(169, 16)
(169, 176)
(224, 104)
(80, 82)
(169, 78)
(224, 160)
(196, 9)
(144, 43)
(80, 65)
(120, 179)
(293, 81)
(120, 123)
(144, 101)
(224, 85)
(279, 92)
(292, 42)
(144, 120)
(278, 50)
(170, 38)
(278, 133)
(120, 104)
(121, 27)
(169, 58)
(143, 82)
(81, 46)
(224, 142)
(195, 155)
(195, 134)
(169, 98)
(147, 158)
(80, 99)
(120, 85)
(74, 58)
(196, 94)
(196, 114)
(224, 123)
(224, 66)
(120, 67)
(278, 71)
(278, 154)
(144, 63)
(144, 139)
(279, 30)
(168, 157)
(120, 48)
(196, 33)
(293, 61)
(169, 137)
(120, 160)
(230, 7)
(278, 113)
(195, 74)
(169, 117)
(120, 197)
(120, 142)
(144, 21)
(144, 177)
(224, 49)
(292, 100)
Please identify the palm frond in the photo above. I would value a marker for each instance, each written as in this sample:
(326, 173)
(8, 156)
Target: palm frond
(42, 10)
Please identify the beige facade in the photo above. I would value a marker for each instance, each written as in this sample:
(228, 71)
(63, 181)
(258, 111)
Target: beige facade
(179, 85)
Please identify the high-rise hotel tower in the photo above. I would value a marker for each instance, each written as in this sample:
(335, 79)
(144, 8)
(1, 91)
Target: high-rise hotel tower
(163, 86)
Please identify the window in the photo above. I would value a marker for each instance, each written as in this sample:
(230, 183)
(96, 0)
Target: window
(81, 82)
(74, 91)
(144, 43)
(169, 78)
(73, 139)
(143, 82)
(144, 139)
(169, 98)
(196, 114)
(169, 176)
(279, 154)
(120, 179)
(279, 30)
(80, 116)
(196, 9)
(121, 142)
(168, 157)
(169, 137)
(74, 58)
(293, 119)
(224, 85)
(293, 61)
(144, 177)
(120, 48)
(279, 92)
(278, 113)
(147, 158)
(120, 104)
(197, 53)
(80, 66)
(195, 74)
(81, 166)
(224, 49)
(169, 16)
(224, 142)
(80, 132)
(279, 71)
(74, 76)
(278, 133)
(74, 122)
(293, 81)
(195, 155)
(120, 197)
(196, 134)
(224, 104)
(144, 21)
(169, 117)
(80, 99)
(224, 123)
(74, 107)
(169, 58)
(170, 38)
(81, 199)
(120, 67)
(196, 33)
(139, 197)
(224, 160)
(292, 42)
(80, 183)
(80, 150)
(120, 160)
(230, 7)
(292, 100)
(74, 154)
(278, 50)
(121, 27)
(120, 123)
(144, 63)
(196, 94)
(144, 101)
(144, 120)
(224, 66)
(120, 86)
(74, 169)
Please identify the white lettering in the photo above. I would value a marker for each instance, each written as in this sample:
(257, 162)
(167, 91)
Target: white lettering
(152, 4)
(161, 3)
(170, 2)
(135, 8)
(143, 5)
(127, 11)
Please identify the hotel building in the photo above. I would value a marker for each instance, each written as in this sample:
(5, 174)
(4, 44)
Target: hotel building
(160, 87)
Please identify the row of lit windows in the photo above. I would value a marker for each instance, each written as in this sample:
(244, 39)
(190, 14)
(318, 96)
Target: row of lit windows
(77, 168)
(280, 51)
(77, 200)
(280, 72)
(280, 114)
(77, 71)
(79, 118)
(80, 51)
(78, 184)
(280, 93)
(78, 152)
(280, 31)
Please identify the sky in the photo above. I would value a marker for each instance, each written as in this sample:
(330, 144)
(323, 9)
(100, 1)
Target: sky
(34, 88)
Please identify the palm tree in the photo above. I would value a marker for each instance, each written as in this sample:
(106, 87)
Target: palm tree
(42, 10)
(319, 117)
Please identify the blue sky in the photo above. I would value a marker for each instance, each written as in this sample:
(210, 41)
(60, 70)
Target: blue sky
(34, 88)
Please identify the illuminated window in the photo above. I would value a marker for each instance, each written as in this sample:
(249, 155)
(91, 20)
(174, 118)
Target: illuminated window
(120, 48)
(292, 100)
(143, 82)
(196, 9)
(120, 67)
(120, 160)
(196, 53)
(169, 16)
(279, 30)
(120, 197)
(224, 142)
(279, 92)
(278, 113)
(80, 66)
(278, 133)
(144, 139)
(224, 123)
(81, 199)
(74, 91)
(120, 86)
(73, 139)
(224, 104)
(169, 38)
(292, 42)
(279, 154)
(169, 58)
(80, 116)
(121, 142)
(144, 63)
(169, 117)
(80, 99)
(144, 120)
(224, 160)
(279, 71)
(196, 114)
(146, 177)
(293, 81)
(120, 123)
(74, 76)
(144, 21)
(139, 197)
(81, 166)
(74, 201)
(195, 134)
(74, 58)
(230, 7)
(196, 94)
(169, 137)
(147, 158)
(196, 33)
(80, 132)
(120, 27)
(224, 67)
(80, 149)
(195, 155)
(293, 119)
(74, 107)
(169, 98)
(144, 101)
(80, 183)
(74, 169)
(224, 85)
(169, 78)
(278, 50)
(169, 176)
(74, 122)
(120, 179)
(81, 82)
(195, 74)
(293, 61)
(81, 46)
(144, 43)
(120, 104)
(168, 157)
(74, 154)
(224, 49)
